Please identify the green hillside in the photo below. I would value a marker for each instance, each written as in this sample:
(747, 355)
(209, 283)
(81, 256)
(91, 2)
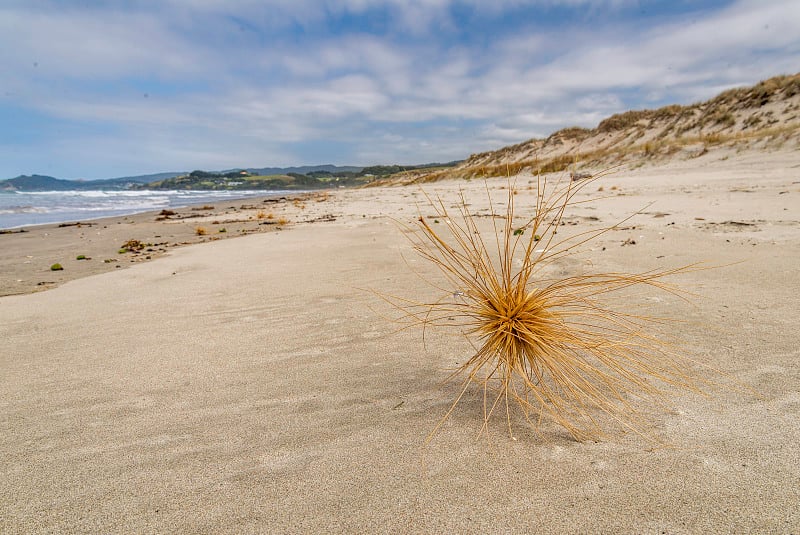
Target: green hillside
(243, 180)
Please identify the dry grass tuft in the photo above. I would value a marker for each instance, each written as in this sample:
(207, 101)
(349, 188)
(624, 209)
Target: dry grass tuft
(200, 231)
(552, 347)
(133, 245)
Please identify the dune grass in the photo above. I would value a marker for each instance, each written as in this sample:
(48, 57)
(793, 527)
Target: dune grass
(550, 348)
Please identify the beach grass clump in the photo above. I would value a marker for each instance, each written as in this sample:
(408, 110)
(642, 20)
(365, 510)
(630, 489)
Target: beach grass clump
(200, 231)
(131, 245)
(56, 267)
(550, 347)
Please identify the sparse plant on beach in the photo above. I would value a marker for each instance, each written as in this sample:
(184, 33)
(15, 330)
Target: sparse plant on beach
(56, 267)
(131, 245)
(200, 231)
(551, 346)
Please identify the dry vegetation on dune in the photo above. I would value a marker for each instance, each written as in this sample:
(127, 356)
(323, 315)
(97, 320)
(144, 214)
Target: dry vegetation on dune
(764, 115)
(551, 348)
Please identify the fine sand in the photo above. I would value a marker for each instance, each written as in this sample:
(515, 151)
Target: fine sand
(255, 385)
(28, 253)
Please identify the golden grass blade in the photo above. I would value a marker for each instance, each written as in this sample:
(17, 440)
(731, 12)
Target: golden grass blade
(553, 347)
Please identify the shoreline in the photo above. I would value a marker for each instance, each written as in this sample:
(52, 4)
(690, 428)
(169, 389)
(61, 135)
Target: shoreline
(29, 251)
(26, 257)
(254, 195)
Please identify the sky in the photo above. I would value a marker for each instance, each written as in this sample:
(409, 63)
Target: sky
(101, 88)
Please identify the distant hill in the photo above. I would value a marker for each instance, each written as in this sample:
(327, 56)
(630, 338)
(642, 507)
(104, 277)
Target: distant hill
(244, 180)
(144, 179)
(302, 170)
(763, 116)
(49, 183)
(36, 183)
(315, 177)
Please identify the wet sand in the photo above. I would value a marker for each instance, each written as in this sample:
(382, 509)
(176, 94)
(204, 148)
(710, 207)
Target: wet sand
(29, 252)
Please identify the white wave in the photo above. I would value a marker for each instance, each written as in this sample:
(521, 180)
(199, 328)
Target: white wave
(23, 210)
(91, 193)
(58, 206)
(160, 192)
(130, 207)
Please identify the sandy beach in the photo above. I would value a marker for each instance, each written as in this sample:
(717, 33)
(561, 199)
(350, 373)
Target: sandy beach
(105, 244)
(253, 384)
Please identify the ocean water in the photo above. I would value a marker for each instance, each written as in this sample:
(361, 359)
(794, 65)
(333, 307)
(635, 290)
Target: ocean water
(19, 209)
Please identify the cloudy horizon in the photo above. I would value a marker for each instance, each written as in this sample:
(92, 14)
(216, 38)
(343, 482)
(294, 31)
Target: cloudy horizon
(128, 88)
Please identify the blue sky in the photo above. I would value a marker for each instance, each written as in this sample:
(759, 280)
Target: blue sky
(97, 89)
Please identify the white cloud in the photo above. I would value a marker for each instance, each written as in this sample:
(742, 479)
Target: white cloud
(98, 45)
(221, 97)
